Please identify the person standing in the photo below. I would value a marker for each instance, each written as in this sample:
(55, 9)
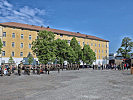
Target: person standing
(38, 70)
(102, 66)
(127, 65)
(2, 71)
(115, 66)
(19, 70)
(58, 68)
(48, 69)
(99, 66)
(34, 68)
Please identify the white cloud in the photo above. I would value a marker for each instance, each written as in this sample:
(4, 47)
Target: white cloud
(27, 15)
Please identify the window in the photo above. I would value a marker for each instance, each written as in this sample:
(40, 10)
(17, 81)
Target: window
(68, 41)
(21, 54)
(29, 45)
(99, 45)
(13, 35)
(29, 37)
(87, 43)
(22, 36)
(79, 42)
(13, 44)
(4, 34)
(91, 44)
(102, 51)
(21, 45)
(106, 51)
(83, 43)
(99, 51)
(3, 53)
(103, 45)
(106, 46)
(95, 44)
(12, 54)
(99, 57)
(61, 35)
(4, 43)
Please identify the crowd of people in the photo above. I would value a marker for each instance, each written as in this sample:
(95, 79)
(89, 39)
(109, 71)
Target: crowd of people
(35, 69)
(121, 66)
(45, 69)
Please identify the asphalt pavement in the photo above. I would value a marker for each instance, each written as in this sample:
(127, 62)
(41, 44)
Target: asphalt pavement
(83, 84)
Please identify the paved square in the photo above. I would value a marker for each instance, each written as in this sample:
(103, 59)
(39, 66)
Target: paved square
(83, 84)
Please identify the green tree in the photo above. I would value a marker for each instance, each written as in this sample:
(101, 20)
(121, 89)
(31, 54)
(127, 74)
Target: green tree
(88, 56)
(70, 54)
(77, 49)
(30, 59)
(10, 60)
(44, 47)
(0, 46)
(61, 50)
(126, 47)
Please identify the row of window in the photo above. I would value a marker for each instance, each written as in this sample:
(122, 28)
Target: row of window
(13, 44)
(100, 51)
(99, 57)
(87, 43)
(21, 54)
(12, 54)
(13, 35)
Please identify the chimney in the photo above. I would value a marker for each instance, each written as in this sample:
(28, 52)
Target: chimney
(47, 26)
(41, 26)
(77, 32)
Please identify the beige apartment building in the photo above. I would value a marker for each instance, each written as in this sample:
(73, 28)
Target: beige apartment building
(17, 39)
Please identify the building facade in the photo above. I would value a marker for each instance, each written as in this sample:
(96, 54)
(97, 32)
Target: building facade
(17, 39)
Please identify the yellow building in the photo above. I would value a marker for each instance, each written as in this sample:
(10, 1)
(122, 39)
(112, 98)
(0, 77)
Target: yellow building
(17, 39)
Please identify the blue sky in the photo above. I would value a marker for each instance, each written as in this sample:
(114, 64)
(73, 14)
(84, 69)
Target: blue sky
(108, 19)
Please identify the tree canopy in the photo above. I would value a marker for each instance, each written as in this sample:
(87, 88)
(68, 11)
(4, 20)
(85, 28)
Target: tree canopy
(77, 49)
(30, 58)
(0, 46)
(10, 60)
(88, 56)
(61, 50)
(44, 47)
(126, 47)
(47, 49)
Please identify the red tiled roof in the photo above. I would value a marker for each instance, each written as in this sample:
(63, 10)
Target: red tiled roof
(38, 28)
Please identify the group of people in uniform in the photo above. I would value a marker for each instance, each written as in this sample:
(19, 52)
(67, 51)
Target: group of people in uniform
(36, 69)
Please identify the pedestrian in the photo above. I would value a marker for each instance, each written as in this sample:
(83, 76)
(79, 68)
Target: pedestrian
(48, 69)
(58, 68)
(38, 70)
(99, 66)
(34, 68)
(102, 67)
(125, 66)
(19, 70)
(115, 66)
(1, 70)
(9, 70)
